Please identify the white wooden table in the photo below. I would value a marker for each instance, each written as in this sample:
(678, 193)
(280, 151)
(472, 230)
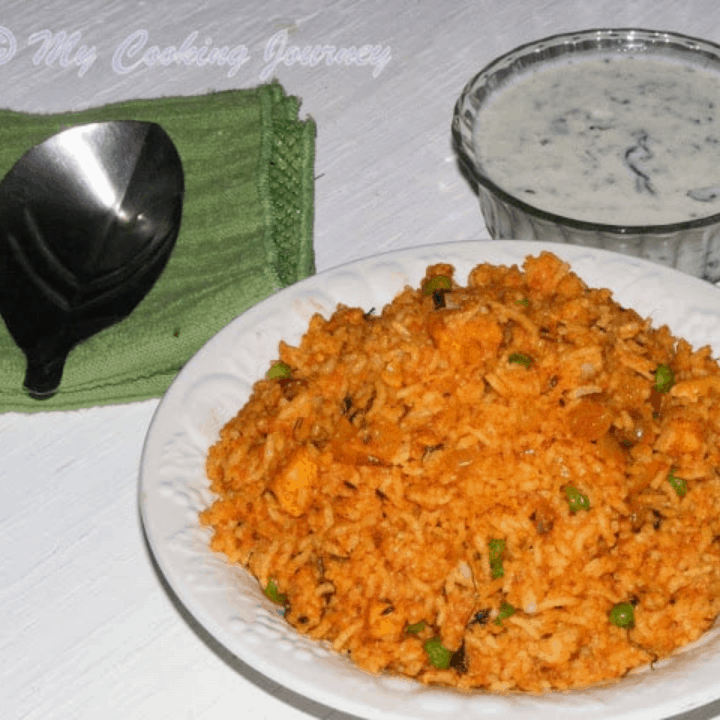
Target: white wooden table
(87, 627)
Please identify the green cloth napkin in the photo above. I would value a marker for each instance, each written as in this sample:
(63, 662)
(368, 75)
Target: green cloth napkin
(246, 232)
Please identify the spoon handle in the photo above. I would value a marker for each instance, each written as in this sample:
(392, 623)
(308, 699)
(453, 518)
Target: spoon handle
(42, 379)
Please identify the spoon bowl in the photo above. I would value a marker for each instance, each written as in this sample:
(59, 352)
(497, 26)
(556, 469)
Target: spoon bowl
(88, 220)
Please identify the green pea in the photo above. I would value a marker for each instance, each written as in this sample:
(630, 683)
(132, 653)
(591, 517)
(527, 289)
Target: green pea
(439, 282)
(679, 485)
(496, 566)
(523, 301)
(506, 610)
(520, 359)
(664, 378)
(576, 500)
(271, 590)
(623, 615)
(418, 627)
(279, 370)
(438, 654)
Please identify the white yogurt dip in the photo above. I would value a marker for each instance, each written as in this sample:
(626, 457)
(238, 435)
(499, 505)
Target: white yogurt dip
(614, 139)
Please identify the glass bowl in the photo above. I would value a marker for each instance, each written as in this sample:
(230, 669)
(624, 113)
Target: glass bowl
(692, 246)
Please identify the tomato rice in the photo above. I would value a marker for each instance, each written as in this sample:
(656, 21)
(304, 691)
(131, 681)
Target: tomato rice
(508, 486)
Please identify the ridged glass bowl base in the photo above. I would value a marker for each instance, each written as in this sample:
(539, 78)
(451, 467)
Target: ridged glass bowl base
(695, 251)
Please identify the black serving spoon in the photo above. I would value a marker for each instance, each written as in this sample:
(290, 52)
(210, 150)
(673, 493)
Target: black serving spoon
(88, 219)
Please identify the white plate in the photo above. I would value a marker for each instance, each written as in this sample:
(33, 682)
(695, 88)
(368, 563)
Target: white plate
(227, 601)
